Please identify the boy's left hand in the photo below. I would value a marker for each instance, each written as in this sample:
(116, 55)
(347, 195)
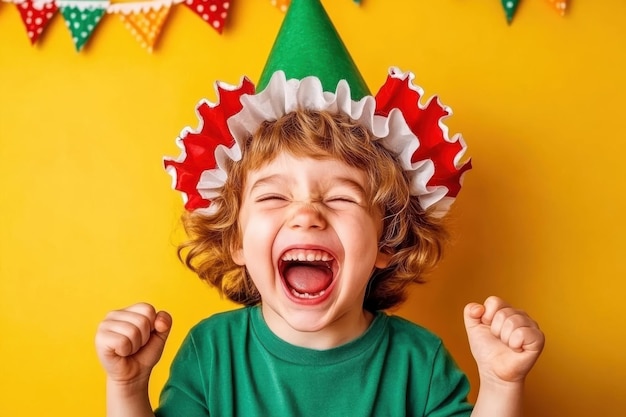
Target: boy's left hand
(505, 341)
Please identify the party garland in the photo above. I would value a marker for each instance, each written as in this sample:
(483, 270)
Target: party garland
(510, 7)
(145, 19)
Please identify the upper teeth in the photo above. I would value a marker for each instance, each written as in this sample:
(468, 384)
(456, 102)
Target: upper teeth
(306, 255)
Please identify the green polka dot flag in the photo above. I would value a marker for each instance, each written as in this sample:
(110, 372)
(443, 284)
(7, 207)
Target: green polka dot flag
(510, 6)
(81, 18)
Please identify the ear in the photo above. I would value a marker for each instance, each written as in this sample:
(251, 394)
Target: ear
(382, 260)
(238, 258)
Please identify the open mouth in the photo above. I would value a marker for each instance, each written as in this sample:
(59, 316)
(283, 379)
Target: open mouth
(307, 273)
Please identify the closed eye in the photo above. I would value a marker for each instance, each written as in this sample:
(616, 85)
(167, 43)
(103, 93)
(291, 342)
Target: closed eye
(270, 197)
(342, 199)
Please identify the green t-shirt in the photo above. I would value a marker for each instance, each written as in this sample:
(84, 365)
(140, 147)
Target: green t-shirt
(231, 364)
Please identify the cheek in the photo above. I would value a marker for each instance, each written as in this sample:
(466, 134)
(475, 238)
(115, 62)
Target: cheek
(258, 233)
(362, 237)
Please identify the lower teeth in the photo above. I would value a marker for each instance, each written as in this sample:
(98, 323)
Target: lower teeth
(307, 295)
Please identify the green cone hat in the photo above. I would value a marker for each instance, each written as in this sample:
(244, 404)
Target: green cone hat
(308, 44)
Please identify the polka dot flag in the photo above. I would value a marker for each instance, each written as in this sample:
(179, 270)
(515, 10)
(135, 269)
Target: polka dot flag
(81, 18)
(559, 5)
(510, 7)
(144, 20)
(36, 14)
(214, 12)
(281, 5)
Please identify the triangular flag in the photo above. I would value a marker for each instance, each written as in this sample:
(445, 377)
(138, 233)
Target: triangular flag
(213, 12)
(559, 5)
(281, 5)
(143, 19)
(82, 17)
(36, 14)
(510, 6)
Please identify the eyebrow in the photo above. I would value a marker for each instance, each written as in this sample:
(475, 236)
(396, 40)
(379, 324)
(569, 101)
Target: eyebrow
(279, 179)
(350, 183)
(270, 179)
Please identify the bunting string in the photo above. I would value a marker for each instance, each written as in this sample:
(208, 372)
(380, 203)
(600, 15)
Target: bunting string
(144, 19)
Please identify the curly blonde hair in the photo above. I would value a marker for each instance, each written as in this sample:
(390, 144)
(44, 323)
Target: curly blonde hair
(412, 237)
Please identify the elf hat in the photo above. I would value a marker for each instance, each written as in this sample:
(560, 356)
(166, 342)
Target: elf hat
(309, 67)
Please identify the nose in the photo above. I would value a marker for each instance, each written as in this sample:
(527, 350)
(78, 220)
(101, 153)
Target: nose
(306, 216)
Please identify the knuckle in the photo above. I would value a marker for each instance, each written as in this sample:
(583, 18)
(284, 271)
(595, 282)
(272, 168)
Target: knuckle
(134, 333)
(144, 309)
(493, 300)
(124, 345)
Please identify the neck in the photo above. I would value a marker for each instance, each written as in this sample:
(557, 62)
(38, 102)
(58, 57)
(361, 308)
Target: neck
(342, 330)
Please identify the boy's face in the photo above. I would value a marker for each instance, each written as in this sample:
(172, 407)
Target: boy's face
(310, 244)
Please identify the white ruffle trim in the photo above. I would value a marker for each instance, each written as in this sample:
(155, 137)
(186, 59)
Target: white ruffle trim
(282, 96)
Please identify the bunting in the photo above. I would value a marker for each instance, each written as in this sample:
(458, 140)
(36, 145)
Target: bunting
(281, 5)
(82, 17)
(559, 5)
(145, 19)
(36, 14)
(213, 12)
(510, 7)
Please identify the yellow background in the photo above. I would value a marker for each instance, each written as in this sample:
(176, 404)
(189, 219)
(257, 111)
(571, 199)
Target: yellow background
(88, 222)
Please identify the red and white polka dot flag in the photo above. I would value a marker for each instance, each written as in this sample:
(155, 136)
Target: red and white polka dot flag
(36, 14)
(214, 12)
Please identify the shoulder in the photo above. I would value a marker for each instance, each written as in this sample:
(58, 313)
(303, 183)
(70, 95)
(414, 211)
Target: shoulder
(423, 349)
(225, 318)
(406, 335)
(234, 324)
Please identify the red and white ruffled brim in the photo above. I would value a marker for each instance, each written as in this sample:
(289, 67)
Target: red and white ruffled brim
(415, 132)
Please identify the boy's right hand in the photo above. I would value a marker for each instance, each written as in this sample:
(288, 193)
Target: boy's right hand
(130, 342)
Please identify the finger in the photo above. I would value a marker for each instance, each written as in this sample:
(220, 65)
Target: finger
(113, 344)
(505, 320)
(505, 327)
(472, 314)
(529, 339)
(143, 323)
(163, 324)
(122, 337)
(143, 309)
(492, 305)
(156, 344)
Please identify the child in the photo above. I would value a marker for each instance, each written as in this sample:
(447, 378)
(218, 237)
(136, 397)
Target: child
(316, 210)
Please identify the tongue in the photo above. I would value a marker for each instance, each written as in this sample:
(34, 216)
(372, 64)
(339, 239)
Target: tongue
(308, 278)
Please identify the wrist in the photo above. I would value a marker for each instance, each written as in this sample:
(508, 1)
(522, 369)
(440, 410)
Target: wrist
(492, 382)
(128, 388)
(498, 397)
(128, 398)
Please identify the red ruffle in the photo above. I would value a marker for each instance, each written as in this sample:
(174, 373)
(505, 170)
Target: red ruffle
(200, 145)
(425, 124)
